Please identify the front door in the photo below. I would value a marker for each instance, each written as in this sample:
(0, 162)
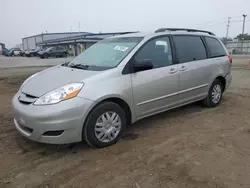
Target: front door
(53, 51)
(156, 89)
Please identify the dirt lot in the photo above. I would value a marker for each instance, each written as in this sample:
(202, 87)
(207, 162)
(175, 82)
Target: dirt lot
(188, 147)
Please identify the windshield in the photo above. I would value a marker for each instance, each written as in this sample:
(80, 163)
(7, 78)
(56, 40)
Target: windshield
(48, 49)
(107, 53)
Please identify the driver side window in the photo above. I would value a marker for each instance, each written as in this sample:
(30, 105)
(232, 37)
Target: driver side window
(158, 51)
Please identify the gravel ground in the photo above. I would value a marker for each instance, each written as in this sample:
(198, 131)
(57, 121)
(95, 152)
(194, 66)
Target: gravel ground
(10, 62)
(187, 147)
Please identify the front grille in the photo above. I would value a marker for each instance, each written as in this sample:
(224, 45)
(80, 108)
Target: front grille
(30, 96)
(26, 129)
(26, 98)
(24, 102)
(53, 133)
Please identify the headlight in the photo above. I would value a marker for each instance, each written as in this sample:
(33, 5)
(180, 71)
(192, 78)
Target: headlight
(61, 94)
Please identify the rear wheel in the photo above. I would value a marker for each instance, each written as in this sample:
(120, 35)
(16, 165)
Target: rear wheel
(104, 125)
(214, 94)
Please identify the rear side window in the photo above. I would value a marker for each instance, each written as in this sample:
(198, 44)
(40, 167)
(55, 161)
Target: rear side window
(189, 48)
(215, 47)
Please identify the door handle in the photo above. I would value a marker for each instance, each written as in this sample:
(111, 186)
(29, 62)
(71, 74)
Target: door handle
(183, 68)
(172, 71)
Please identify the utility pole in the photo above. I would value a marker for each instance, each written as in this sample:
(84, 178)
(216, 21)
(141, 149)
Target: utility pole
(228, 25)
(243, 27)
(243, 30)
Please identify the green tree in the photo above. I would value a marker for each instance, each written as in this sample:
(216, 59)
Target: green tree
(224, 39)
(245, 36)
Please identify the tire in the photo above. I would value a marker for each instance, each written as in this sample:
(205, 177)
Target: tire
(90, 133)
(63, 54)
(45, 56)
(210, 101)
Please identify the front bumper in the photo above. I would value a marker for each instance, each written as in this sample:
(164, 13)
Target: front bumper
(54, 124)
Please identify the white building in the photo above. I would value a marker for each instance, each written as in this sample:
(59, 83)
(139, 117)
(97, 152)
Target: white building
(32, 41)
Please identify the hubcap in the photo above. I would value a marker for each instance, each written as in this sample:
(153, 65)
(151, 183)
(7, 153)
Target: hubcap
(108, 126)
(216, 93)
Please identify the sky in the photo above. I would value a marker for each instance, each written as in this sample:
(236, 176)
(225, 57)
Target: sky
(22, 18)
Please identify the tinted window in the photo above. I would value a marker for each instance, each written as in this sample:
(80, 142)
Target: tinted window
(215, 47)
(58, 48)
(189, 48)
(158, 51)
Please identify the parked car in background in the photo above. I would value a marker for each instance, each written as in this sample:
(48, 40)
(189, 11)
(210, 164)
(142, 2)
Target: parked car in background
(22, 53)
(119, 81)
(13, 52)
(5, 51)
(16, 51)
(56, 51)
(27, 52)
(32, 52)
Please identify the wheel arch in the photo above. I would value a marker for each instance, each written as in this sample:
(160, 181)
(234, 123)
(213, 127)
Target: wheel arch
(115, 99)
(118, 100)
(122, 103)
(222, 80)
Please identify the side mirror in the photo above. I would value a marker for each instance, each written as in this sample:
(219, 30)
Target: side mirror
(145, 64)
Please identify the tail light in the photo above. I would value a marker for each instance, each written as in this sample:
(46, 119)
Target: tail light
(230, 59)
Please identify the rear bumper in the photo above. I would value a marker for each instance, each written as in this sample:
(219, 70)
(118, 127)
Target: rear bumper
(228, 78)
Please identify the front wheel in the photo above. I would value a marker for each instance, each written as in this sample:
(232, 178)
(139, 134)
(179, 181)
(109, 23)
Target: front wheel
(63, 54)
(104, 125)
(214, 94)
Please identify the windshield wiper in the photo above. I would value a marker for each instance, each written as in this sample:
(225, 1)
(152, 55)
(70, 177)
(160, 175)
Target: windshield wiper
(79, 66)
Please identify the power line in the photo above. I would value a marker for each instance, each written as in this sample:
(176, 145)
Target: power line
(220, 23)
(211, 23)
(236, 21)
(207, 23)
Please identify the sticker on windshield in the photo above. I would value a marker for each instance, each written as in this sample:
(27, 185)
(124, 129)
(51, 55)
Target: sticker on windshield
(121, 48)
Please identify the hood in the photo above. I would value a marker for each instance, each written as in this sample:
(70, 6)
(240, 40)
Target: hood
(54, 78)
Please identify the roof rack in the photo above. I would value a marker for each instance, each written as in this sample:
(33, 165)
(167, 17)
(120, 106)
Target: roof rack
(183, 29)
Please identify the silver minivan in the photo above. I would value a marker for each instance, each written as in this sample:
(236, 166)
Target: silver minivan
(118, 81)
